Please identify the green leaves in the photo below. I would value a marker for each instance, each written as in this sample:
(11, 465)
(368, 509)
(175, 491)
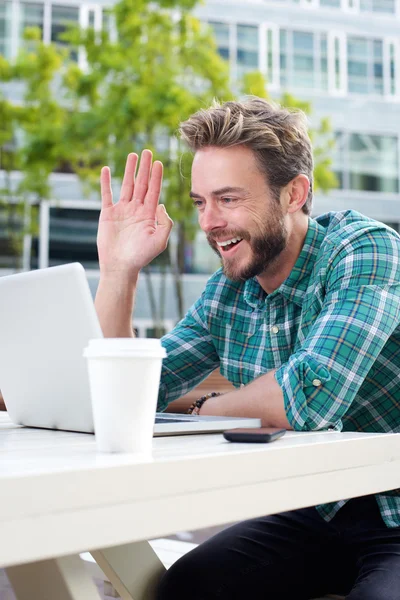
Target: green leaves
(151, 67)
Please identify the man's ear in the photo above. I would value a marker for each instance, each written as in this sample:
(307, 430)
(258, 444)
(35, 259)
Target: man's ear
(297, 193)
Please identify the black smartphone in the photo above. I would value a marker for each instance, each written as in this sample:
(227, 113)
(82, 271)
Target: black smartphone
(259, 434)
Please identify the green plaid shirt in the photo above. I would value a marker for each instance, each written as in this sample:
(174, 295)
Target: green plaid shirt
(332, 331)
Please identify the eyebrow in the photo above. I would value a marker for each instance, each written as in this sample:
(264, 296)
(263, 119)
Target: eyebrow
(220, 191)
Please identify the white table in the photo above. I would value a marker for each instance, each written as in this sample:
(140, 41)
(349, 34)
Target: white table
(58, 497)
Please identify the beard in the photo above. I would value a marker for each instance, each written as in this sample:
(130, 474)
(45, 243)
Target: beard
(265, 248)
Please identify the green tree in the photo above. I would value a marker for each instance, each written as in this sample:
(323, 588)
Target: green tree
(152, 65)
(159, 68)
(31, 133)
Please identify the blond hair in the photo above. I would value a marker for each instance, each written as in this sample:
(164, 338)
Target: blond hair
(277, 136)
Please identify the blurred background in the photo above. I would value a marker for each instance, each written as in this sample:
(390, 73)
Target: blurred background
(81, 85)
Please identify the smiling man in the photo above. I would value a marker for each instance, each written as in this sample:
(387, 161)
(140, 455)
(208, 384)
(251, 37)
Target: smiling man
(303, 318)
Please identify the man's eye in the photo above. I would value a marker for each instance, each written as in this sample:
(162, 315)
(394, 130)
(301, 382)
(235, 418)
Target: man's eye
(227, 199)
(198, 203)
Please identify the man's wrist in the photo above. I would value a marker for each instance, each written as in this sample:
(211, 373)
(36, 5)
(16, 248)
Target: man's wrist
(121, 279)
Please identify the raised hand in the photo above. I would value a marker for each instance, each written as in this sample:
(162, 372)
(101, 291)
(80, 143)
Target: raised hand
(136, 229)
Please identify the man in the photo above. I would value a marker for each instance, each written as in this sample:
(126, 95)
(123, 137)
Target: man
(303, 319)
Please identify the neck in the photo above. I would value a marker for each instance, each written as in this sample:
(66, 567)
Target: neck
(281, 268)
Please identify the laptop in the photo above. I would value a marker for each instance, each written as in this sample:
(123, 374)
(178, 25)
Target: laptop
(46, 319)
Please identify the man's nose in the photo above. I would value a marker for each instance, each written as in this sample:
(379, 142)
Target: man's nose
(211, 218)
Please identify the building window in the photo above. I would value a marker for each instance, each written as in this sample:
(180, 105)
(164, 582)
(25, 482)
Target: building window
(5, 29)
(365, 65)
(330, 3)
(11, 232)
(367, 162)
(270, 55)
(30, 15)
(61, 17)
(382, 6)
(246, 49)
(392, 53)
(242, 46)
(303, 60)
(72, 236)
(221, 33)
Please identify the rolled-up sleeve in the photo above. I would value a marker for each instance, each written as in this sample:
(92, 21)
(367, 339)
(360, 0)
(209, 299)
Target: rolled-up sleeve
(191, 356)
(359, 313)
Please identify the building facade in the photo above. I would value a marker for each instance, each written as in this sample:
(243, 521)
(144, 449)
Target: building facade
(341, 55)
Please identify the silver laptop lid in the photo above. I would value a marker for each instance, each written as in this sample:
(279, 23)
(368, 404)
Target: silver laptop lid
(46, 319)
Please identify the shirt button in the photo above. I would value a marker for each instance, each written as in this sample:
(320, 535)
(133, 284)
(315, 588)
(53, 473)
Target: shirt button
(274, 329)
(317, 382)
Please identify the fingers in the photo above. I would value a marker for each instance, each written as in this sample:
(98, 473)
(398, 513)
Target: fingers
(154, 189)
(164, 225)
(105, 188)
(128, 181)
(142, 179)
(145, 186)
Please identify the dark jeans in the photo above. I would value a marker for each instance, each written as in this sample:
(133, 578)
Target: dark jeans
(295, 556)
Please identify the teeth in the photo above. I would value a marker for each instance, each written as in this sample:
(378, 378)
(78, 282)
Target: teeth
(232, 241)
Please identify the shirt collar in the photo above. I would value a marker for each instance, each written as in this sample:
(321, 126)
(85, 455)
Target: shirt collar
(295, 286)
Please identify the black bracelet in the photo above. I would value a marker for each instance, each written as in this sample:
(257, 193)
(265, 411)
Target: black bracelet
(194, 409)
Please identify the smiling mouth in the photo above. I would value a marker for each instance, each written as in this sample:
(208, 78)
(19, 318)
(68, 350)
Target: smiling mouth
(229, 244)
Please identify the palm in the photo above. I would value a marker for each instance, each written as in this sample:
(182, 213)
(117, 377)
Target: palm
(135, 230)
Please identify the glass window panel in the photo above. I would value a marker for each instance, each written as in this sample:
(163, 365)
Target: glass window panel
(373, 163)
(357, 48)
(366, 5)
(392, 69)
(304, 68)
(304, 59)
(324, 61)
(330, 3)
(106, 20)
(358, 69)
(5, 29)
(283, 57)
(247, 37)
(270, 55)
(30, 15)
(365, 65)
(221, 33)
(73, 236)
(382, 6)
(303, 42)
(324, 45)
(340, 178)
(247, 49)
(378, 49)
(378, 70)
(303, 63)
(61, 17)
(91, 18)
(337, 64)
(247, 59)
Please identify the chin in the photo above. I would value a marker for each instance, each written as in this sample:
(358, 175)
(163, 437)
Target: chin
(235, 274)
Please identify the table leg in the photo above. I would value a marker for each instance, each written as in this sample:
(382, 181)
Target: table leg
(134, 570)
(63, 578)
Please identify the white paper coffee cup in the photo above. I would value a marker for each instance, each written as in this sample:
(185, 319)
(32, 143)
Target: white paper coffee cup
(124, 377)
